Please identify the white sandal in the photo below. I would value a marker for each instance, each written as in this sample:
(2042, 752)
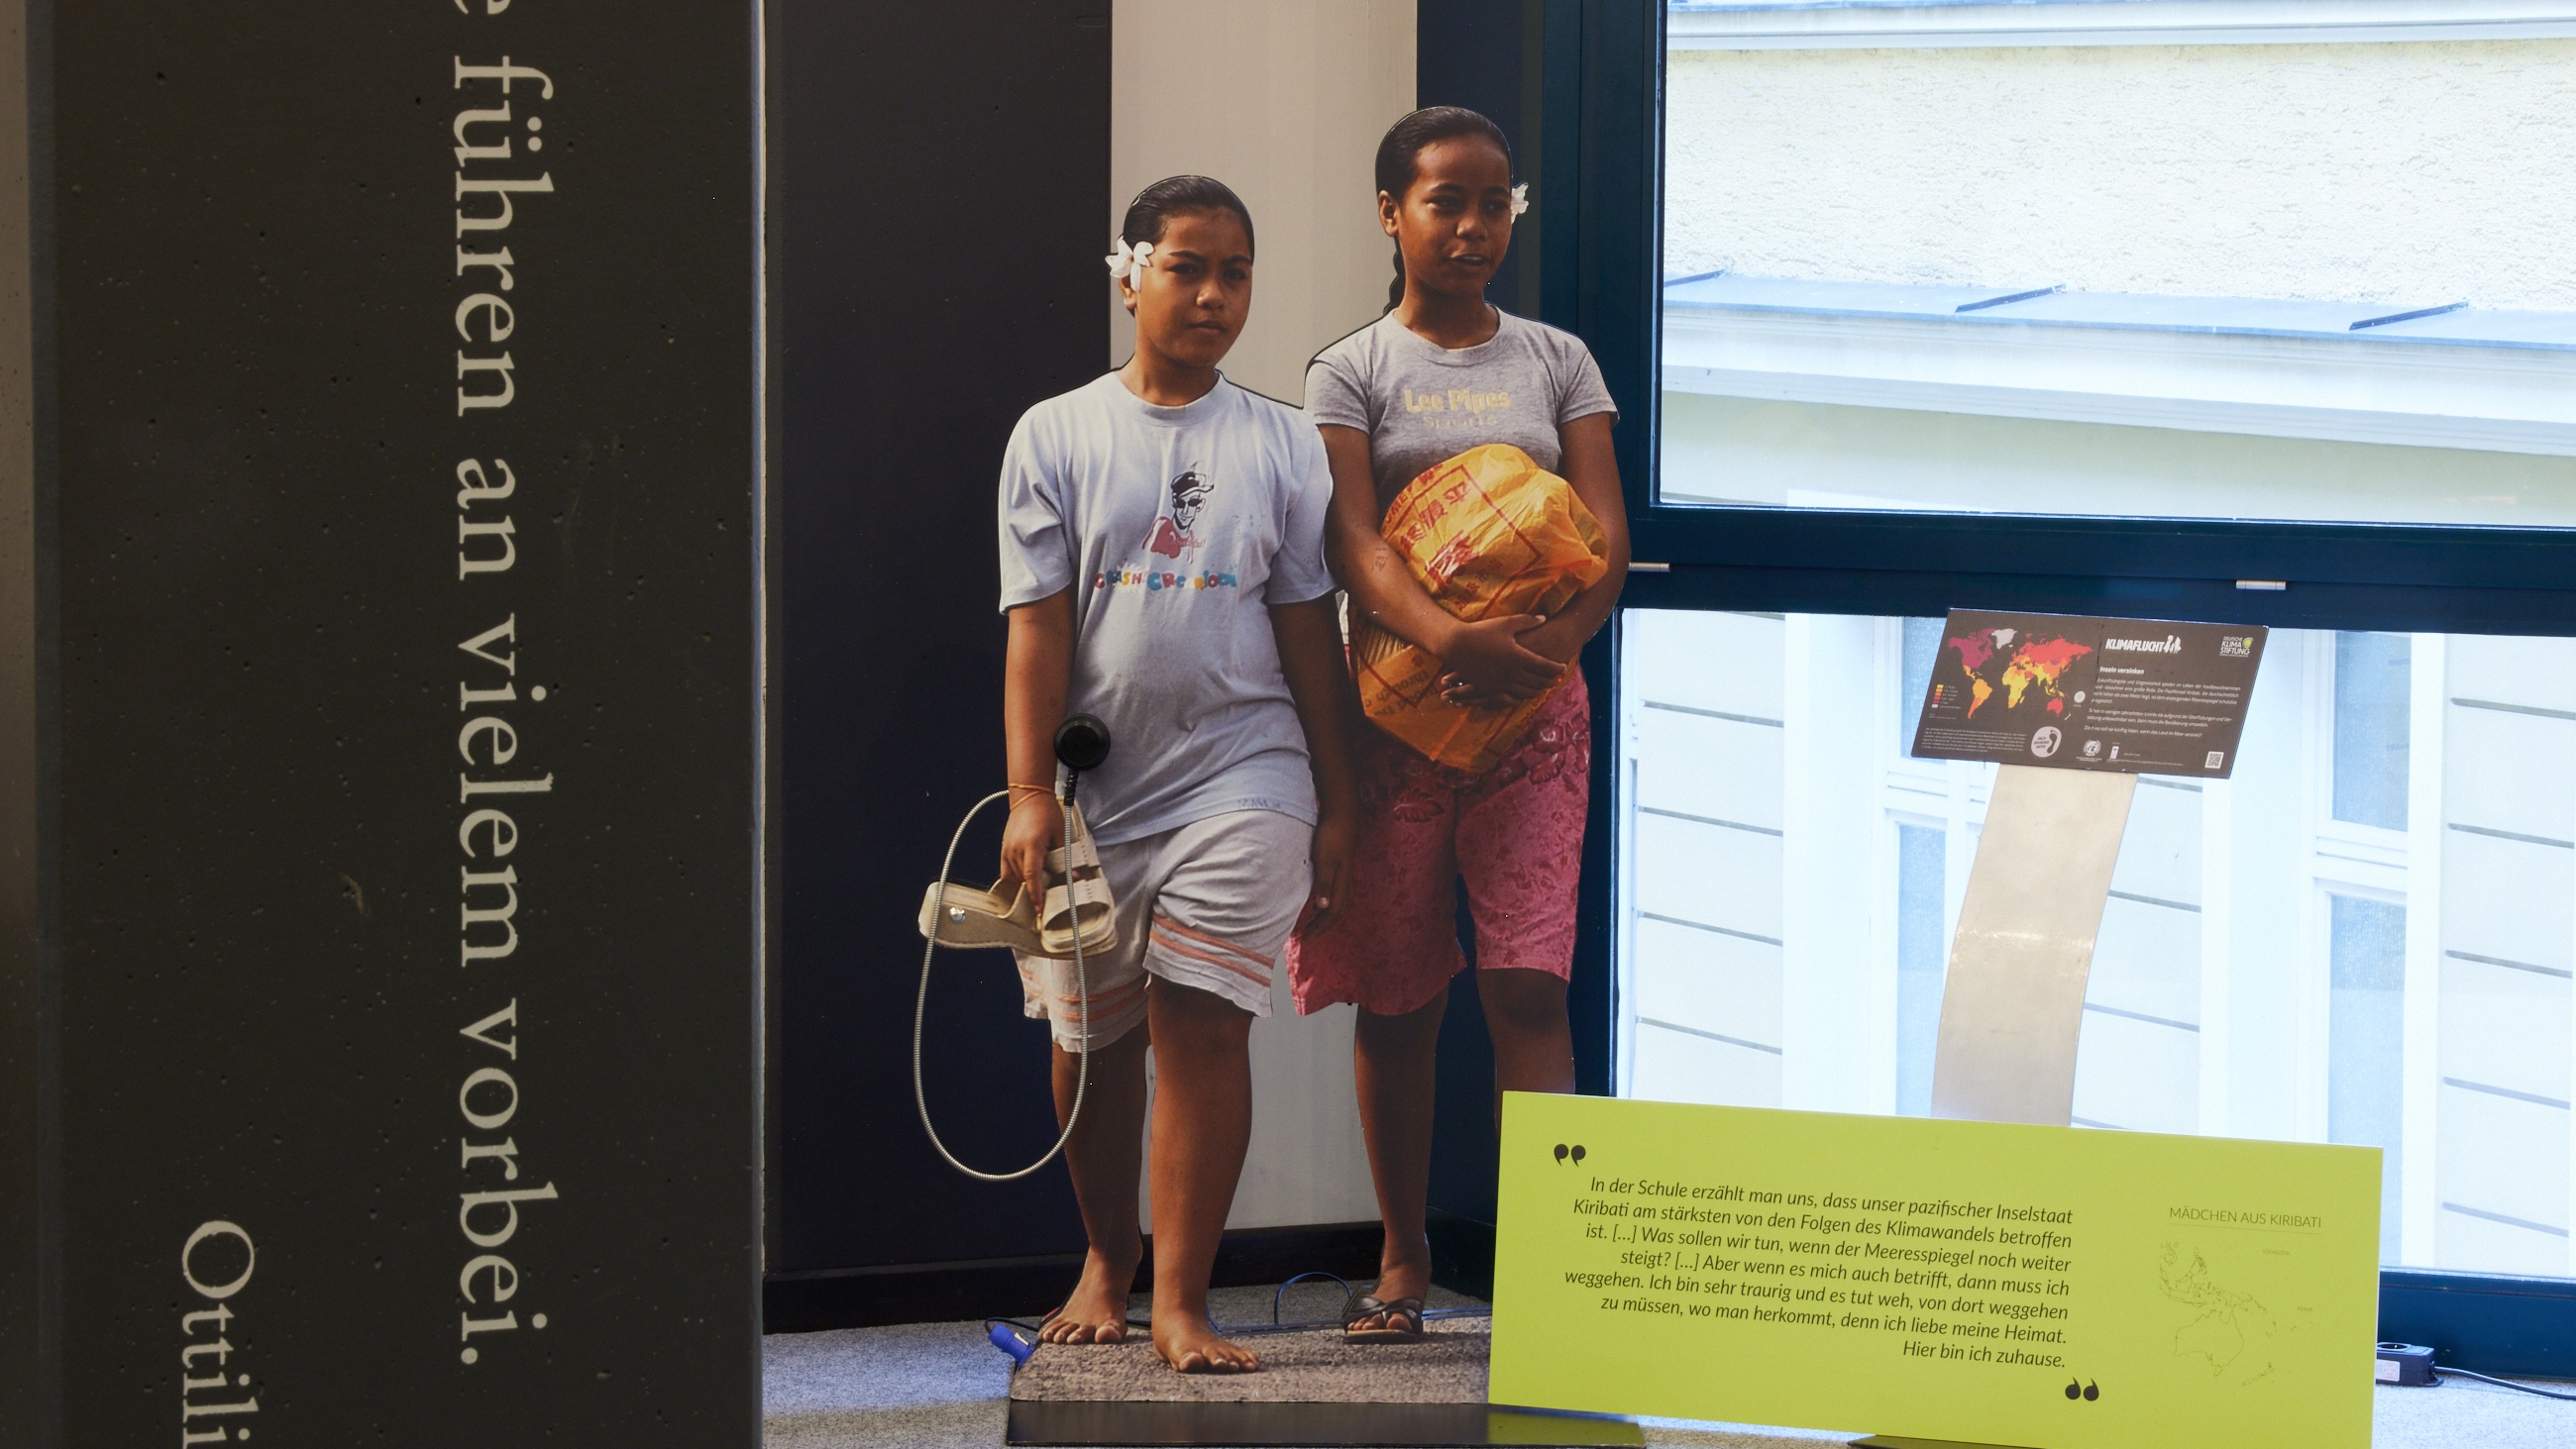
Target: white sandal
(970, 918)
(1077, 897)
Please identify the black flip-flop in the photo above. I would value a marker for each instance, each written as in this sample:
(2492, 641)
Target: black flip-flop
(1361, 1306)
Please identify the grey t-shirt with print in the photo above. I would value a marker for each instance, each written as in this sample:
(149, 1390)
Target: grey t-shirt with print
(1421, 403)
(1174, 528)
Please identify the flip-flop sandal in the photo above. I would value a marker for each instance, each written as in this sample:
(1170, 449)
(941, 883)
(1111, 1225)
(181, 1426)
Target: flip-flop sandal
(1361, 1307)
(971, 918)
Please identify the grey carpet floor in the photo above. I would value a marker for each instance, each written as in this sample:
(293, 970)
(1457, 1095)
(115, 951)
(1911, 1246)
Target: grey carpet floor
(1447, 1367)
(942, 1386)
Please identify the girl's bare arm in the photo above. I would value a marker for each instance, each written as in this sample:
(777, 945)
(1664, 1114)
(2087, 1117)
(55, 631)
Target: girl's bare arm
(1592, 466)
(1488, 653)
(1310, 655)
(1037, 674)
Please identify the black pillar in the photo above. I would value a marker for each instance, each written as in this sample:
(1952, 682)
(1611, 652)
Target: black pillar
(940, 203)
(377, 585)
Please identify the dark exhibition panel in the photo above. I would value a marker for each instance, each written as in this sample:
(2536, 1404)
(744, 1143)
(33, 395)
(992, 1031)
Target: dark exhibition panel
(936, 270)
(378, 640)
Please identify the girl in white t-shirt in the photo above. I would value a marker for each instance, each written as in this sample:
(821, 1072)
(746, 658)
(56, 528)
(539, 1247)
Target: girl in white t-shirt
(1444, 371)
(1163, 568)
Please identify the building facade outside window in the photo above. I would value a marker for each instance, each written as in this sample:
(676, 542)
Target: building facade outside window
(2265, 968)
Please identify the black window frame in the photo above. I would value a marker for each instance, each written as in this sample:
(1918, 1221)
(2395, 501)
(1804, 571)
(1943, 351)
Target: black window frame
(1595, 72)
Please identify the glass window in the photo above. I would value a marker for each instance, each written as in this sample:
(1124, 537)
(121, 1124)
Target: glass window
(2366, 1043)
(1922, 959)
(2372, 693)
(2071, 314)
(2268, 965)
(2061, 277)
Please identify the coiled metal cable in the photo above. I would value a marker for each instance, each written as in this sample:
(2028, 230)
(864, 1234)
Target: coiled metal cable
(921, 1009)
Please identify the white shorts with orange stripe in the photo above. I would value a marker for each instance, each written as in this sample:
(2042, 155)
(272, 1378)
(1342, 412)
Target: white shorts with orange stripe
(1208, 905)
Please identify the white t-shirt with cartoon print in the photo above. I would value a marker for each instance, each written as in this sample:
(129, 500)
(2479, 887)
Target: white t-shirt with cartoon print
(1175, 528)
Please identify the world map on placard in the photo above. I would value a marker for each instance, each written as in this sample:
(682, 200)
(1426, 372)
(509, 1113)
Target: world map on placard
(2016, 664)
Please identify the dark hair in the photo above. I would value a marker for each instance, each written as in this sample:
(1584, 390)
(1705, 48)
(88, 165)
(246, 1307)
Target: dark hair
(1399, 159)
(1178, 196)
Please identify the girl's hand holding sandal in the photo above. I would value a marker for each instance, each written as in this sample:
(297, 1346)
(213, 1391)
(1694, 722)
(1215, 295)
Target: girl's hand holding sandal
(1047, 893)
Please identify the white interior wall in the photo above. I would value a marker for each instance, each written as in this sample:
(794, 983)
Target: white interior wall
(1284, 103)
(2425, 173)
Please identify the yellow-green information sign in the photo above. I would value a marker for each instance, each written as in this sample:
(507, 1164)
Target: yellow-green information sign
(1973, 1281)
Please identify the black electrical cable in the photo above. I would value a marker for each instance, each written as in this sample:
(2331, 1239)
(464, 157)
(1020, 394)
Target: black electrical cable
(2440, 1373)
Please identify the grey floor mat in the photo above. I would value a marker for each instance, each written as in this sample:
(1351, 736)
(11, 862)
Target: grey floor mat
(941, 1386)
(1317, 1367)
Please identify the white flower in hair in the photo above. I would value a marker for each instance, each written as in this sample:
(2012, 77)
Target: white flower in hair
(1520, 199)
(1129, 264)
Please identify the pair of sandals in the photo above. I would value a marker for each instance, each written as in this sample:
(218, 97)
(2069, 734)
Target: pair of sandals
(1399, 1319)
(1077, 905)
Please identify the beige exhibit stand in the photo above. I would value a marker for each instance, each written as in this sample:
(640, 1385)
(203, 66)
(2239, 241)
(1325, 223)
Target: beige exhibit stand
(2013, 1004)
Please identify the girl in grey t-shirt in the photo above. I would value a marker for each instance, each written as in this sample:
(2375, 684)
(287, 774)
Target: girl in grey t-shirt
(1443, 371)
(1163, 567)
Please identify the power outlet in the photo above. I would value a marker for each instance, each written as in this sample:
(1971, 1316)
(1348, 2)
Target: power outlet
(2407, 1365)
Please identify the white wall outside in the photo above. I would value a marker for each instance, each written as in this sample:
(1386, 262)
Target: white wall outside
(2404, 174)
(1745, 450)
(2414, 173)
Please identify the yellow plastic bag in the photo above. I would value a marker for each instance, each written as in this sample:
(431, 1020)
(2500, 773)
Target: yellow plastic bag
(1488, 533)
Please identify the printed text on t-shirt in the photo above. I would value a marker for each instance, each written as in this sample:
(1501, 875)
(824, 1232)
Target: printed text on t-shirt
(1456, 400)
(1152, 581)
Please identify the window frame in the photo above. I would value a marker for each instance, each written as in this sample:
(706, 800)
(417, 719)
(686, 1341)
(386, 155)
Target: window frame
(1600, 64)
(2449, 578)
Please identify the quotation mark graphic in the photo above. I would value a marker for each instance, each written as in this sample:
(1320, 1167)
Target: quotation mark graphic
(1563, 1152)
(2083, 1391)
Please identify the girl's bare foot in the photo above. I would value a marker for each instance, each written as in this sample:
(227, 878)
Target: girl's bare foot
(1189, 1343)
(1097, 1310)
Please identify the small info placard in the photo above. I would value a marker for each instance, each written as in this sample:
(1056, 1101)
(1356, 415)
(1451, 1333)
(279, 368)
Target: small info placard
(2080, 692)
(2043, 1286)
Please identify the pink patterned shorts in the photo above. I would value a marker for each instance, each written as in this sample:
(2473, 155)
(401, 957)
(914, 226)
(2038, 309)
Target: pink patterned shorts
(1513, 833)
